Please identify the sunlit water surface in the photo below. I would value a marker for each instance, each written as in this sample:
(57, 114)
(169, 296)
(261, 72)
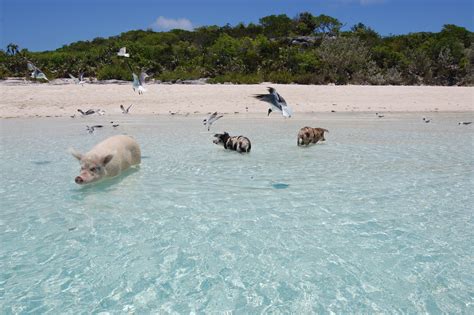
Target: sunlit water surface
(377, 219)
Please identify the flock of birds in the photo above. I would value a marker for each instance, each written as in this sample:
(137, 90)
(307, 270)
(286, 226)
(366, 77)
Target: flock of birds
(276, 101)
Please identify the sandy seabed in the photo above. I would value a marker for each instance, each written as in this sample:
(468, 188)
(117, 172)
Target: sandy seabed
(57, 100)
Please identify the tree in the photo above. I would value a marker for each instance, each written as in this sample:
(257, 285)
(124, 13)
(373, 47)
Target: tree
(304, 24)
(366, 34)
(460, 33)
(342, 58)
(12, 49)
(326, 25)
(275, 26)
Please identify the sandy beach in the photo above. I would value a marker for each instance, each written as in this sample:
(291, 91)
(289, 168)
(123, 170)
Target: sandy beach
(20, 99)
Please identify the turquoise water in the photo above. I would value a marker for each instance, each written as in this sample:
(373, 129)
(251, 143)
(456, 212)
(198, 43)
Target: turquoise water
(377, 219)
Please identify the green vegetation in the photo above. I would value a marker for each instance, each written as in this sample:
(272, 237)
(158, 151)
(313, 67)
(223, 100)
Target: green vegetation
(306, 49)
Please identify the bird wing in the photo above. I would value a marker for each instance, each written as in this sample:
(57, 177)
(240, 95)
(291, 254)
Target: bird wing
(279, 98)
(80, 111)
(31, 66)
(122, 108)
(143, 76)
(136, 82)
(264, 97)
(128, 108)
(81, 76)
(90, 112)
(215, 117)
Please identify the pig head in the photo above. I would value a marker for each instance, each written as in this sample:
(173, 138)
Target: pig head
(93, 167)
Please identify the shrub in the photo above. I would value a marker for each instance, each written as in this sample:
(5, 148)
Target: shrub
(112, 71)
(283, 77)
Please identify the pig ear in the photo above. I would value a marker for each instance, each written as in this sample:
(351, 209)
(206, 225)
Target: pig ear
(75, 154)
(107, 159)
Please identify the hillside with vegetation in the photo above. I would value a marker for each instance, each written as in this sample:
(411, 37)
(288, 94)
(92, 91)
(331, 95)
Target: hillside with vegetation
(306, 49)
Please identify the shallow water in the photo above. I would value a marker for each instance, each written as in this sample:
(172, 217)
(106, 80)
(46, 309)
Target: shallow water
(377, 219)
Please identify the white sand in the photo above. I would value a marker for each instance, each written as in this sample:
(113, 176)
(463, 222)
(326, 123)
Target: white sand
(33, 100)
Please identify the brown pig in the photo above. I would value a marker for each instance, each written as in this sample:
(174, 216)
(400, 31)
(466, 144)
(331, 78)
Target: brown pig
(308, 135)
(107, 159)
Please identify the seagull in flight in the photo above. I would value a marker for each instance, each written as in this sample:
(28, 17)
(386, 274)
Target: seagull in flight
(37, 73)
(379, 115)
(211, 119)
(465, 123)
(123, 52)
(125, 110)
(276, 101)
(139, 82)
(86, 113)
(79, 80)
(426, 120)
(91, 129)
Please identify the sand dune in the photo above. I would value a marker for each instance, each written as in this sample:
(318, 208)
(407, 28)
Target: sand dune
(31, 100)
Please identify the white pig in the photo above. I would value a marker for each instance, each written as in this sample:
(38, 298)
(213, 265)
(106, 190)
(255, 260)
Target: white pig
(107, 159)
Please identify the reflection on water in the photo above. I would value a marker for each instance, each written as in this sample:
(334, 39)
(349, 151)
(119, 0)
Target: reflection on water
(79, 192)
(376, 220)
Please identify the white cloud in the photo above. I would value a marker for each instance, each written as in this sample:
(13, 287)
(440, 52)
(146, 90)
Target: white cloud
(165, 24)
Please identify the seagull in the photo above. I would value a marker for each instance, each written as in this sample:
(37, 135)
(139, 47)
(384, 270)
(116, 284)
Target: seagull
(79, 80)
(277, 102)
(37, 73)
(139, 82)
(211, 119)
(92, 128)
(465, 123)
(88, 112)
(379, 115)
(125, 111)
(426, 120)
(123, 52)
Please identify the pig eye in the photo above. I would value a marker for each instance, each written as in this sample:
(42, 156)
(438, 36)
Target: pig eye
(94, 169)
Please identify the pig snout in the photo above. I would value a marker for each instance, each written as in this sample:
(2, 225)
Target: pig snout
(79, 180)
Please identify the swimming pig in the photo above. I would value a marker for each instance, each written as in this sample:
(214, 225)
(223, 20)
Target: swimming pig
(309, 135)
(107, 159)
(236, 143)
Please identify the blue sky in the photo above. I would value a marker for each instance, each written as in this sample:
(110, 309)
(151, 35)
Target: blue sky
(49, 24)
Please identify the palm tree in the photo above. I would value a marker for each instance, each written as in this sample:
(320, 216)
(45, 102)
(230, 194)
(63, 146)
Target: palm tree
(12, 49)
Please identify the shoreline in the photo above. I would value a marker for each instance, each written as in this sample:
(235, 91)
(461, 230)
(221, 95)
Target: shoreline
(34, 100)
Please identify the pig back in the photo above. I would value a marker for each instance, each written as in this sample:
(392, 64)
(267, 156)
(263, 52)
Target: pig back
(125, 150)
